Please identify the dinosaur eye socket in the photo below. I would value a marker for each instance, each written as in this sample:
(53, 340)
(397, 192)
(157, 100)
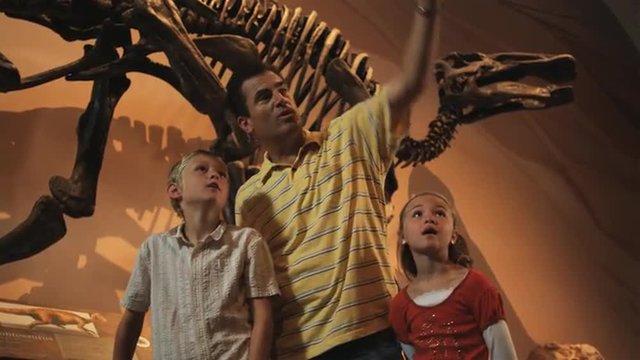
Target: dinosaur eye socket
(484, 68)
(458, 85)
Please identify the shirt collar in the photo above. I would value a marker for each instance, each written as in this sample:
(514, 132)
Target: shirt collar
(310, 139)
(215, 235)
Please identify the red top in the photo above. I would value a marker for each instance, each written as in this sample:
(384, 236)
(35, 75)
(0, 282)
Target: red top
(452, 329)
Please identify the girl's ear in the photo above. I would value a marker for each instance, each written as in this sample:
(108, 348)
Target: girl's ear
(454, 238)
(174, 191)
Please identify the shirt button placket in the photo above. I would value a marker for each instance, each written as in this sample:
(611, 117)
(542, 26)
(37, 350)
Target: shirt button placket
(195, 308)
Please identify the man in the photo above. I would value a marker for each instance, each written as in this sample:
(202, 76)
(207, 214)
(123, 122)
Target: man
(318, 201)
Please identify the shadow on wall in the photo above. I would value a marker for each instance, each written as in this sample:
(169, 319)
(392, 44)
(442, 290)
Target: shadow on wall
(91, 264)
(421, 180)
(586, 155)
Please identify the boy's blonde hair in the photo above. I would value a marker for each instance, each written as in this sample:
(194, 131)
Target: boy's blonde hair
(175, 174)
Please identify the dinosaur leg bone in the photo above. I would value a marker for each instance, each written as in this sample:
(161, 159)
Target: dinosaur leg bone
(77, 195)
(44, 226)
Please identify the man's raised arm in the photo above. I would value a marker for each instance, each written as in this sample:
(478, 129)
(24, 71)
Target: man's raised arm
(418, 58)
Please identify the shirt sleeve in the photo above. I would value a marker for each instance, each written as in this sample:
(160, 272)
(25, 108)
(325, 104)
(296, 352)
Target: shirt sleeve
(398, 318)
(408, 350)
(240, 221)
(488, 308)
(247, 195)
(137, 296)
(499, 343)
(259, 273)
(368, 125)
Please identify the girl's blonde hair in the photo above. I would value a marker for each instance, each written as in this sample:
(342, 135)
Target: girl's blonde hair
(458, 251)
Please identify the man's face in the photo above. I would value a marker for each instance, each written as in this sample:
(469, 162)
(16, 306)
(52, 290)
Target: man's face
(272, 110)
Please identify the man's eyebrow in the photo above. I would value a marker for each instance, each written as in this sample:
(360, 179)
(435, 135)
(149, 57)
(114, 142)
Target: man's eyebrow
(278, 84)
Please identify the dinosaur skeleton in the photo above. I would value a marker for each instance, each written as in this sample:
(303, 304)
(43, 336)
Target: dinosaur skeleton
(205, 40)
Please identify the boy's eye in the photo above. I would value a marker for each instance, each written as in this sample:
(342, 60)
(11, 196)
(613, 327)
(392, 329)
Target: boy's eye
(441, 213)
(416, 214)
(222, 174)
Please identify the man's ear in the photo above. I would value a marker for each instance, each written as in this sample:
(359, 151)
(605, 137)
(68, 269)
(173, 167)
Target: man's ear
(246, 124)
(174, 191)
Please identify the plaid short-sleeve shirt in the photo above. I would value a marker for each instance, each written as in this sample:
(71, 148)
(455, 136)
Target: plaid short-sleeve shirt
(198, 295)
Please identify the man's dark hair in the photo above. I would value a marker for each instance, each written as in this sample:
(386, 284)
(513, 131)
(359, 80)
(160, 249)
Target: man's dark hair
(235, 98)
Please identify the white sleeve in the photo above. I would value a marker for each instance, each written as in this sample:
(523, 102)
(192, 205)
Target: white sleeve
(137, 296)
(408, 350)
(498, 340)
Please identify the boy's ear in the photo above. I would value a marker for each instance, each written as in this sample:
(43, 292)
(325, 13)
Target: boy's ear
(245, 123)
(174, 192)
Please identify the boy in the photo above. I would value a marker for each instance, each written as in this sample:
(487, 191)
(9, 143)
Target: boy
(209, 285)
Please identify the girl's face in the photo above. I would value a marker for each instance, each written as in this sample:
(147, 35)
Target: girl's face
(427, 225)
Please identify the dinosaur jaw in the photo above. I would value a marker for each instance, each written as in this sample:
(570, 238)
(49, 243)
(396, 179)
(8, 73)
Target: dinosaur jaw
(476, 86)
(505, 97)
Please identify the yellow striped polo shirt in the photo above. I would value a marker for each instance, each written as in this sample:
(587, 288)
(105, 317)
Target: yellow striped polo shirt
(323, 218)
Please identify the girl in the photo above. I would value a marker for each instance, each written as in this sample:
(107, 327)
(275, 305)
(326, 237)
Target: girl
(448, 311)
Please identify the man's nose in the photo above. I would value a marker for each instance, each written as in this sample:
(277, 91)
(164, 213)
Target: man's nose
(280, 98)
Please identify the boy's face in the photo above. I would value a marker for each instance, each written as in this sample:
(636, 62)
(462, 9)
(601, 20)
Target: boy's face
(272, 111)
(204, 180)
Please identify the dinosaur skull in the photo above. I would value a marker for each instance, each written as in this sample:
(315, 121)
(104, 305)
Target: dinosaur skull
(474, 86)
